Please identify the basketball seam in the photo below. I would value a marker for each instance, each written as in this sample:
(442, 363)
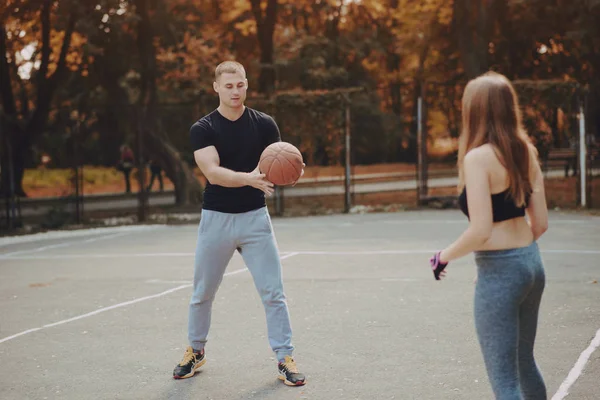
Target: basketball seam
(268, 160)
(296, 153)
(293, 166)
(282, 175)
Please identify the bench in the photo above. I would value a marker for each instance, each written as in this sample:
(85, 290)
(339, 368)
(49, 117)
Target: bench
(567, 158)
(593, 156)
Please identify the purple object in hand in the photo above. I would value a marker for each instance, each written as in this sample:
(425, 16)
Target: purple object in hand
(436, 265)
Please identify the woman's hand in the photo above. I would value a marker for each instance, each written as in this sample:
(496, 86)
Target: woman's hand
(438, 266)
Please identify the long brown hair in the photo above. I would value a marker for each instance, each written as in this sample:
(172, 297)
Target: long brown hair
(491, 114)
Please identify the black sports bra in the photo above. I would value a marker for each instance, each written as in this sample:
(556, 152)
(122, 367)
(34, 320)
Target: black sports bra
(503, 207)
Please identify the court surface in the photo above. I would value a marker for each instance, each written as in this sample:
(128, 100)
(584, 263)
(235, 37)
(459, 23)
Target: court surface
(102, 313)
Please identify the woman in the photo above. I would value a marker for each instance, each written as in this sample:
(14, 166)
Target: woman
(501, 182)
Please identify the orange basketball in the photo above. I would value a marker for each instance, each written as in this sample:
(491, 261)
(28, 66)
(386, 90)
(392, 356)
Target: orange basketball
(281, 162)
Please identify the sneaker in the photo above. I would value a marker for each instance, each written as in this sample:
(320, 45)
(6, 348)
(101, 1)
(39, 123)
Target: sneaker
(190, 364)
(288, 373)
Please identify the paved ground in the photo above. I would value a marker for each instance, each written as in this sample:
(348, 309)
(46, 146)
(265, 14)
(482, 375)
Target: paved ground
(102, 314)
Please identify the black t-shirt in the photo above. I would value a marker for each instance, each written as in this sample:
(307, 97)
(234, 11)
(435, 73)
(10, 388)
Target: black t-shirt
(239, 144)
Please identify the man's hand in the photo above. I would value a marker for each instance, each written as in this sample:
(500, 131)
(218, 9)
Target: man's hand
(301, 174)
(259, 181)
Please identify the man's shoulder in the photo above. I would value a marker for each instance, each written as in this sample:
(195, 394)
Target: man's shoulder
(206, 122)
(259, 115)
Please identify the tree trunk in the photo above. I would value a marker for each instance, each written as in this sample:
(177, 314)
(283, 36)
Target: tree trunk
(217, 9)
(17, 139)
(267, 77)
(393, 66)
(395, 88)
(188, 189)
(13, 168)
(265, 27)
(411, 152)
(592, 111)
(8, 128)
(473, 25)
(419, 81)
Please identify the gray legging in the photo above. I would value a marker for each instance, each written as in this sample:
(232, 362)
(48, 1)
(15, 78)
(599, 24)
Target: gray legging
(507, 299)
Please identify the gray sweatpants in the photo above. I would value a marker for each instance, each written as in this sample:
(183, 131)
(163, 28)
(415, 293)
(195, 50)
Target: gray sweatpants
(251, 233)
(507, 300)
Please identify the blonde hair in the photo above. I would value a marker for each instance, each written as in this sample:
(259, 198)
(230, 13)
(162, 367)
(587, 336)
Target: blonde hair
(229, 67)
(491, 114)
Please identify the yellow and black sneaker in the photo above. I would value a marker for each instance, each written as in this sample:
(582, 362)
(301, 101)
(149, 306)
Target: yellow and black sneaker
(190, 364)
(288, 373)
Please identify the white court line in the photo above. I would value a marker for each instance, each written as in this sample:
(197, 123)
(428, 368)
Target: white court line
(383, 252)
(127, 303)
(465, 221)
(101, 310)
(366, 252)
(309, 252)
(164, 281)
(577, 369)
(55, 246)
(333, 223)
(572, 251)
(53, 235)
(108, 255)
(426, 221)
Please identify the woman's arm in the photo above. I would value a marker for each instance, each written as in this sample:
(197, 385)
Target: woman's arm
(480, 207)
(537, 209)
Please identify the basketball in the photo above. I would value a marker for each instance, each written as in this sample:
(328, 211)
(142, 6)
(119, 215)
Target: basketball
(281, 162)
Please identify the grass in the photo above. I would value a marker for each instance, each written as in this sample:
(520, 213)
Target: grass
(44, 182)
(41, 182)
(97, 180)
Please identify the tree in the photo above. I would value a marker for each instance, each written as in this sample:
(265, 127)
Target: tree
(187, 188)
(159, 56)
(25, 118)
(265, 27)
(474, 23)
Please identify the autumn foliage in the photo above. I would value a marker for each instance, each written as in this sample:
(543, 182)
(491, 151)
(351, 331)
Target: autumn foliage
(79, 78)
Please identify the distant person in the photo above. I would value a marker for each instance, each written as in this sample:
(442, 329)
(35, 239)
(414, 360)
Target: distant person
(501, 182)
(126, 165)
(572, 162)
(155, 172)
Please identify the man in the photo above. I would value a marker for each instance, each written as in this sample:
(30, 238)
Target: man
(126, 165)
(155, 172)
(227, 146)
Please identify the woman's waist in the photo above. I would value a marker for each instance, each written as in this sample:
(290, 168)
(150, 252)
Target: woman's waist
(510, 234)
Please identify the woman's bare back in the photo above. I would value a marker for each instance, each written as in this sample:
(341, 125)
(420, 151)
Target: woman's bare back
(515, 232)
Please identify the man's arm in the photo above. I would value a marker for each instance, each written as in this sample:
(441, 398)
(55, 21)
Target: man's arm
(208, 161)
(271, 131)
(273, 135)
